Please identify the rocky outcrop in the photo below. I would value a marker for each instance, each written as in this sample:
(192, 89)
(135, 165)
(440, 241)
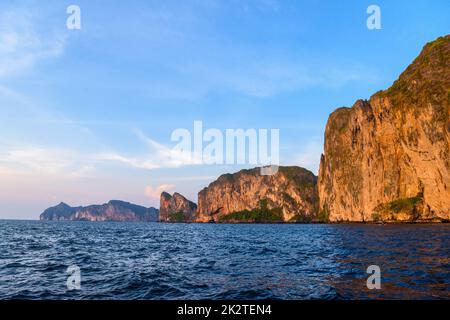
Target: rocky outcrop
(247, 196)
(388, 159)
(112, 211)
(176, 208)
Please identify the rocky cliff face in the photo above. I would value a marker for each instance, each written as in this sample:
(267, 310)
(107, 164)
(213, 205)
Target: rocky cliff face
(176, 208)
(112, 211)
(388, 158)
(289, 195)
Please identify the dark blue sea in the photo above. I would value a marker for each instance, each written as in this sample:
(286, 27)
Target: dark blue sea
(219, 261)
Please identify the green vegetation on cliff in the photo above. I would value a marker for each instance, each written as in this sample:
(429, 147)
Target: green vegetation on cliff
(417, 84)
(262, 214)
(390, 210)
(177, 217)
(406, 204)
(323, 215)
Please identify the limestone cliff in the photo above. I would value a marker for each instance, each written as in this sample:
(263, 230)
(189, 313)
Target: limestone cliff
(114, 210)
(387, 159)
(247, 196)
(176, 208)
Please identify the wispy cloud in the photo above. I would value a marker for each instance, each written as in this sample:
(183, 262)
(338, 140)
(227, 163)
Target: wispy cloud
(75, 163)
(309, 156)
(21, 46)
(224, 63)
(155, 192)
(253, 78)
(158, 156)
(50, 161)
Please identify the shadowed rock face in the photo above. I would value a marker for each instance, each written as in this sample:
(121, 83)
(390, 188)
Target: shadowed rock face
(176, 208)
(112, 211)
(290, 194)
(387, 159)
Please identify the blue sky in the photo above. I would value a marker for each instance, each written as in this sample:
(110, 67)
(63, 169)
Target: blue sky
(86, 115)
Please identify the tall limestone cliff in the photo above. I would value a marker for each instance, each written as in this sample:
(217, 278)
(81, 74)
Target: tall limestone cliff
(114, 210)
(388, 159)
(176, 208)
(247, 196)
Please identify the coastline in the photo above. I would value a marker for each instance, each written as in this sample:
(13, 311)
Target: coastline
(434, 222)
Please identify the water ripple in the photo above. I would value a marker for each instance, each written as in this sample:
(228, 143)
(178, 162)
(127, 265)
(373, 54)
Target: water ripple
(204, 261)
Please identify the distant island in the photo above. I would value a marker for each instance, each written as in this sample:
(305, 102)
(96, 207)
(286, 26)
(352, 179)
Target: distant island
(114, 210)
(386, 159)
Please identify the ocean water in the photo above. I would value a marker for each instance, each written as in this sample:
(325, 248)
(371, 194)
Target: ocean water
(215, 261)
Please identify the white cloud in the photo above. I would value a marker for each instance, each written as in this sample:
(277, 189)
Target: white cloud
(21, 46)
(155, 192)
(158, 156)
(252, 77)
(47, 161)
(70, 163)
(135, 162)
(309, 156)
(75, 163)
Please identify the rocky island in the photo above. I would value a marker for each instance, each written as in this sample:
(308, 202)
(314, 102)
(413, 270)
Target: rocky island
(114, 210)
(176, 208)
(387, 159)
(290, 195)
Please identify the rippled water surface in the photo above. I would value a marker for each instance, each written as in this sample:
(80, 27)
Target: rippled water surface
(215, 261)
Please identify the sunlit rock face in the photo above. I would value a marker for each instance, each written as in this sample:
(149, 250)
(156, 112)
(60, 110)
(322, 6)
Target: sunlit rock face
(176, 208)
(290, 195)
(387, 159)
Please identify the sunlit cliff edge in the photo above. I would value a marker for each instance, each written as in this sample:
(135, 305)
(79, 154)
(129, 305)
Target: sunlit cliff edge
(387, 158)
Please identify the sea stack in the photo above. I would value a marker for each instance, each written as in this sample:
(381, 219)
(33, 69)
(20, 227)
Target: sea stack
(176, 208)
